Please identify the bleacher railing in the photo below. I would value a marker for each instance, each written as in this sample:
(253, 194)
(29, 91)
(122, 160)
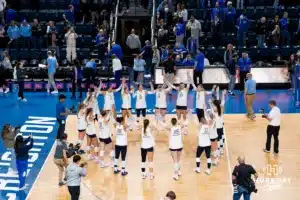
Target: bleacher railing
(153, 24)
(114, 35)
(113, 25)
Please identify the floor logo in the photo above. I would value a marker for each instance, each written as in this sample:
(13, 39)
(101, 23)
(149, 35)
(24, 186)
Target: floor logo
(273, 178)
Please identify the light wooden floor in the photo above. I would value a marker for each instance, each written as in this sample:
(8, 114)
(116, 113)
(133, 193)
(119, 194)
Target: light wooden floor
(244, 137)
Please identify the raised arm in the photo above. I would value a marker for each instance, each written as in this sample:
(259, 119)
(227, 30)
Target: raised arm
(121, 86)
(170, 84)
(152, 91)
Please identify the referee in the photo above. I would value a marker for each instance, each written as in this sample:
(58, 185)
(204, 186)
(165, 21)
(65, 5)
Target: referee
(250, 94)
(61, 115)
(273, 128)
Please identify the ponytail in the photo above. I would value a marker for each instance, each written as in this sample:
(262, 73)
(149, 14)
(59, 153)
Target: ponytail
(218, 106)
(146, 124)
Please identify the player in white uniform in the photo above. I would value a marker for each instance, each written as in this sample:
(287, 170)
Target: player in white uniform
(141, 104)
(175, 146)
(204, 144)
(161, 102)
(105, 137)
(120, 146)
(91, 135)
(91, 101)
(200, 100)
(109, 97)
(147, 149)
(126, 101)
(217, 107)
(81, 123)
(181, 103)
(209, 115)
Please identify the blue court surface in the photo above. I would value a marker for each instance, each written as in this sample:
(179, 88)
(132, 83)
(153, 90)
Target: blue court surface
(37, 116)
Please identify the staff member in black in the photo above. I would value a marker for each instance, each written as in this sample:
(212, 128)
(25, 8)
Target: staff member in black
(273, 128)
(169, 69)
(241, 179)
(61, 115)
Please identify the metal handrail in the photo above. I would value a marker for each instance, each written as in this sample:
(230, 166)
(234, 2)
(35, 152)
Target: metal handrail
(153, 24)
(116, 21)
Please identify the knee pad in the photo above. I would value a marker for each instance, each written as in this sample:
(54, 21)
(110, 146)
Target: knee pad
(143, 165)
(197, 159)
(96, 149)
(208, 160)
(87, 148)
(150, 164)
(101, 153)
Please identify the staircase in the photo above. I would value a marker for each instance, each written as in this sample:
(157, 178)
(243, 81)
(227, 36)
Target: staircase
(135, 10)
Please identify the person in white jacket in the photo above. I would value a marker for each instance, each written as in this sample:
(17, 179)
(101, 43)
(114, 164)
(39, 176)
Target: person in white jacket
(71, 37)
(75, 171)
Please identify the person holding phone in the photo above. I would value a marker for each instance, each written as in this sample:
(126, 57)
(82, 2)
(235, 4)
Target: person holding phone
(22, 147)
(20, 76)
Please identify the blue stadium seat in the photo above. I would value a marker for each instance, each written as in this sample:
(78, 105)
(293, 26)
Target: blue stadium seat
(293, 25)
(34, 54)
(252, 25)
(88, 41)
(239, 12)
(263, 53)
(286, 51)
(220, 54)
(210, 53)
(29, 15)
(260, 12)
(34, 63)
(52, 15)
(24, 4)
(270, 12)
(24, 54)
(43, 54)
(253, 52)
(293, 12)
(199, 14)
(60, 26)
(43, 4)
(251, 39)
(79, 42)
(83, 53)
(295, 48)
(275, 51)
(250, 13)
(63, 53)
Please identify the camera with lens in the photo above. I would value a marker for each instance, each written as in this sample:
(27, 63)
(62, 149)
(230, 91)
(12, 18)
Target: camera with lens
(74, 150)
(262, 111)
(252, 187)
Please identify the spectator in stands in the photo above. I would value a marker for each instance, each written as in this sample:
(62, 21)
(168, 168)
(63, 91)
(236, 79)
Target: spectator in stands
(95, 7)
(298, 34)
(169, 67)
(2, 9)
(52, 33)
(84, 7)
(138, 69)
(51, 65)
(101, 36)
(164, 53)
(37, 34)
(178, 60)
(3, 41)
(69, 15)
(20, 76)
(102, 51)
(11, 15)
(217, 11)
(180, 50)
(230, 57)
(261, 30)
(89, 72)
(181, 12)
(71, 37)
(222, 3)
(162, 10)
(105, 26)
(216, 28)
(4, 67)
(146, 52)
(14, 35)
(242, 24)
(198, 67)
(188, 61)
(244, 65)
(284, 29)
(25, 32)
(275, 31)
(117, 50)
(77, 79)
(76, 6)
(126, 2)
(117, 69)
(229, 18)
(292, 69)
(162, 32)
(155, 59)
(133, 42)
(195, 27)
(179, 31)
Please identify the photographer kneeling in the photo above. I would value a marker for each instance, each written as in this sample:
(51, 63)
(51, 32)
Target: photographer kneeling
(241, 179)
(75, 171)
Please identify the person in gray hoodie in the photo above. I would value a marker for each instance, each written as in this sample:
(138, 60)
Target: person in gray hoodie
(75, 171)
(8, 137)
